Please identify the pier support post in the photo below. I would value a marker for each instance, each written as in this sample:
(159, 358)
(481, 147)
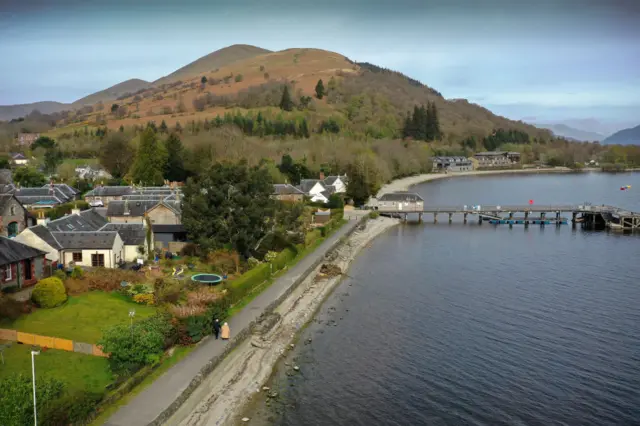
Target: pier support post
(479, 220)
(465, 218)
(510, 215)
(419, 217)
(557, 218)
(526, 218)
(542, 218)
(450, 217)
(435, 218)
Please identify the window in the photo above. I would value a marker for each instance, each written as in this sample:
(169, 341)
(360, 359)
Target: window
(77, 256)
(12, 229)
(6, 273)
(97, 260)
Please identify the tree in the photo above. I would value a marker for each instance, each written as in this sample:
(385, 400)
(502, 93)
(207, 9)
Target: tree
(150, 161)
(178, 127)
(286, 103)
(229, 204)
(121, 129)
(52, 159)
(203, 80)
(29, 177)
(116, 154)
(304, 129)
(175, 170)
(363, 180)
(43, 142)
(16, 398)
(163, 127)
(114, 108)
(5, 163)
(66, 172)
(320, 89)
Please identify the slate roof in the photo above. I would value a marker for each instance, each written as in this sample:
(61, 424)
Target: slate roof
(7, 188)
(12, 251)
(32, 195)
(18, 156)
(42, 200)
(135, 208)
(307, 184)
(88, 220)
(286, 189)
(162, 229)
(5, 177)
(45, 235)
(109, 191)
(67, 190)
(401, 196)
(131, 234)
(495, 153)
(94, 240)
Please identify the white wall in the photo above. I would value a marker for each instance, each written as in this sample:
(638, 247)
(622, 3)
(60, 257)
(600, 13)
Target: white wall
(340, 186)
(29, 238)
(317, 189)
(131, 253)
(111, 256)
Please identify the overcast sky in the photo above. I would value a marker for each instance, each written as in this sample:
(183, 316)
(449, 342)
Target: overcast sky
(544, 59)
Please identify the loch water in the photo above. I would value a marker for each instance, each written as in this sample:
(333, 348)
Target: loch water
(467, 324)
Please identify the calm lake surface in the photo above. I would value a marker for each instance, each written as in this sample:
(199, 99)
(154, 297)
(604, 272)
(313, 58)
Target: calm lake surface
(479, 325)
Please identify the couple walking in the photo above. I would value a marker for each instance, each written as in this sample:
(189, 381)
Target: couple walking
(221, 331)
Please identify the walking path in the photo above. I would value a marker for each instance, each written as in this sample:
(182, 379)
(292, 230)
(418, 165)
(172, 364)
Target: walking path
(154, 400)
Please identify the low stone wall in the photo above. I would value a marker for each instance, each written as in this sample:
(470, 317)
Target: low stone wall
(244, 334)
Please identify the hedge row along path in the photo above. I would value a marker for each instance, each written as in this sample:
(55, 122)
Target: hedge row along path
(155, 403)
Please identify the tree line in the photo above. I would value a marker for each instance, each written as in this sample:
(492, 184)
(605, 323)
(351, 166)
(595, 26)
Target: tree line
(423, 124)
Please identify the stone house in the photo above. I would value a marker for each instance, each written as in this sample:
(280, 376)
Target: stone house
(14, 217)
(401, 201)
(125, 211)
(20, 265)
(165, 213)
(26, 139)
(452, 164)
(497, 159)
(287, 192)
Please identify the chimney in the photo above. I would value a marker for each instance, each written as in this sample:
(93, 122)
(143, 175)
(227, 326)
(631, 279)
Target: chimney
(321, 175)
(75, 209)
(42, 220)
(127, 212)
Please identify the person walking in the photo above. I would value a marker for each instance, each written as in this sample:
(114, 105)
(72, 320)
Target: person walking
(216, 328)
(225, 331)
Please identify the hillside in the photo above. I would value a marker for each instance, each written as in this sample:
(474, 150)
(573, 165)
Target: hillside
(210, 62)
(624, 137)
(9, 112)
(364, 98)
(572, 133)
(112, 93)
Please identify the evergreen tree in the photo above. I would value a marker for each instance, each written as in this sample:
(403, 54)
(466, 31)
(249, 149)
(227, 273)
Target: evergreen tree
(320, 89)
(286, 103)
(150, 162)
(178, 127)
(163, 127)
(121, 128)
(203, 80)
(259, 119)
(304, 129)
(175, 170)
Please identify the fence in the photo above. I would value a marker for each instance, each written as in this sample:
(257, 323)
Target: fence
(51, 342)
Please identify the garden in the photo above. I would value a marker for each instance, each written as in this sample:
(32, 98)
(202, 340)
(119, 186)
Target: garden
(171, 312)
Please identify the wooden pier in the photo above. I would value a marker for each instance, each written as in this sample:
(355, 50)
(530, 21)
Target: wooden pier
(587, 215)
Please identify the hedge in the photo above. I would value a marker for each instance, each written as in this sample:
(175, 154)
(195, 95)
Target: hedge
(49, 293)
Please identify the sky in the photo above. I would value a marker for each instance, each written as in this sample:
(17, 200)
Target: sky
(533, 60)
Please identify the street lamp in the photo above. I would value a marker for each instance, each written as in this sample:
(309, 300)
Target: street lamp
(33, 374)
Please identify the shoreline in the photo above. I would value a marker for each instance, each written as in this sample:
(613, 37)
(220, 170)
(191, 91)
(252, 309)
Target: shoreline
(404, 184)
(225, 394)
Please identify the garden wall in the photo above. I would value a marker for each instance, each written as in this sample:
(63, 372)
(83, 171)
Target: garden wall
(51, 342)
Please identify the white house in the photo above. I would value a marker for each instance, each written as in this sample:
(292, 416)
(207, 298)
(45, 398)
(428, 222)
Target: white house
(133, 236)
(40, 237)
(91, 249)
(19, 159)
(339, 183)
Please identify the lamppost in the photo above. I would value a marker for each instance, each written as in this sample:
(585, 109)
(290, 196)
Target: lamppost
(132, 313)
(33, 374)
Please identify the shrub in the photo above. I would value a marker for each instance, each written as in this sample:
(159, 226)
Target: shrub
(10, 308)
(270, 256)
(198, 327)
(16, 398)
(185, 311)
(144, 299)
(189, 249)
(77, 272)
(131, 347)
(76, 286)
(60, 274)
(202, 296)
(374, 215)
(252, 262)
(107, 279)
(73, 408)
(239, 78)
(49, 293)
(168, 291)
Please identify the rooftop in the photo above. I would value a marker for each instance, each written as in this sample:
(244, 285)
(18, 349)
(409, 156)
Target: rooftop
(401, 196)
(131, 233)
(95, 240)
(12, 251)
(286, 189)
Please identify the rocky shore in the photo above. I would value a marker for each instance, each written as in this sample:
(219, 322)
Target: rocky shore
(223, 395)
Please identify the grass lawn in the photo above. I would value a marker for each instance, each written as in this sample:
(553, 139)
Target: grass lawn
(82, 318)
(80, 372)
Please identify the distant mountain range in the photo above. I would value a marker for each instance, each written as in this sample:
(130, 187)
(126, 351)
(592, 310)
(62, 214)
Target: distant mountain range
(572, 133)
(624, 137)
(8, 112)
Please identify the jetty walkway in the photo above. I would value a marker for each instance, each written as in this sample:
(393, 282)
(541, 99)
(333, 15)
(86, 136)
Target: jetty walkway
(589, 215)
